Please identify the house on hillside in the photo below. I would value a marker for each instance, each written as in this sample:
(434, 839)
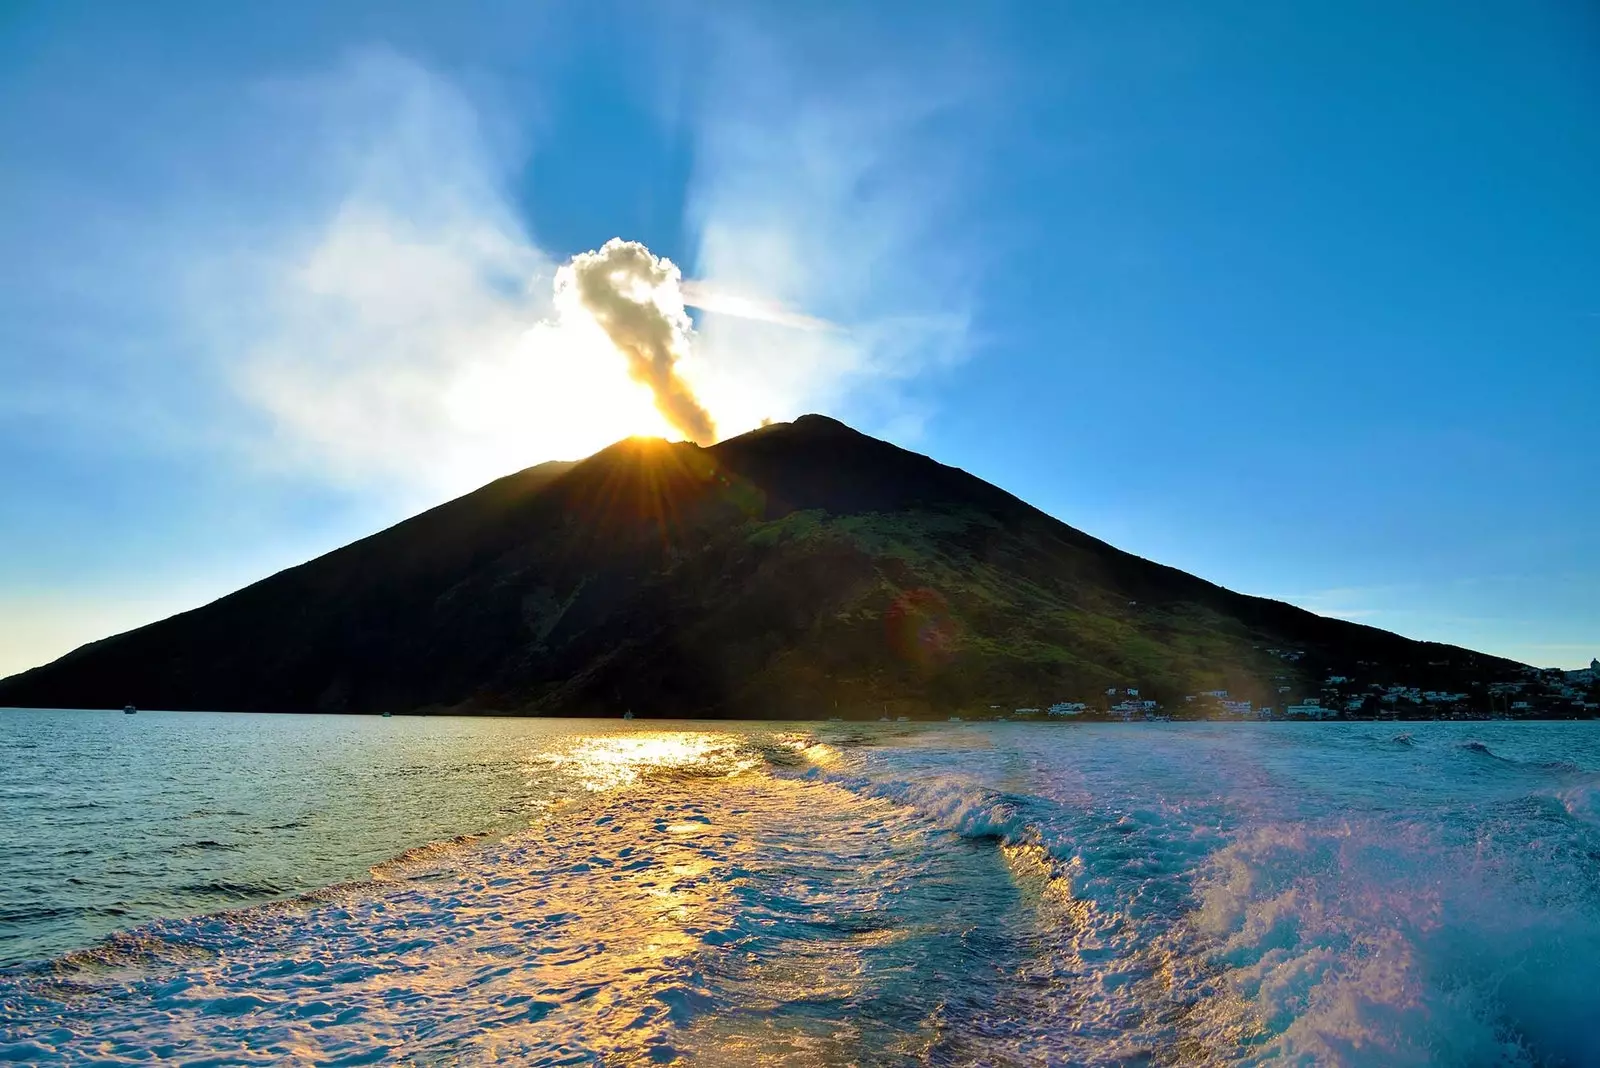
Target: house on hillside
(1589, 675)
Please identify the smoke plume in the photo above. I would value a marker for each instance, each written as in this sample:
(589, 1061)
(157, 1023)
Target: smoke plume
(637, 299)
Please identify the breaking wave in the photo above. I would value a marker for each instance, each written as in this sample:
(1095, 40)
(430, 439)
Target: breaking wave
(427, 859)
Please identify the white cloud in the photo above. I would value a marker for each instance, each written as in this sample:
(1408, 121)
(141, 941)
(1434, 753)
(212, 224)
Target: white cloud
(829, 198)
(388, 323)
(401, 331)
(710, 298)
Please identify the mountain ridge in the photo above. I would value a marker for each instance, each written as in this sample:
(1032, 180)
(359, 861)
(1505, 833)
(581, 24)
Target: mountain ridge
(803, 569)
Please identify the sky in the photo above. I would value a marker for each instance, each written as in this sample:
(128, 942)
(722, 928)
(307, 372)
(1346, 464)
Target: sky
(1301, 298)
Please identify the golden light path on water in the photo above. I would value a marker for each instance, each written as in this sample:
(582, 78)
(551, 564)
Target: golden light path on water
(680, 903)
(608, 762)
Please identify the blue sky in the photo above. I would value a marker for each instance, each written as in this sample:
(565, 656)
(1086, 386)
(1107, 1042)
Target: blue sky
(1302, 298)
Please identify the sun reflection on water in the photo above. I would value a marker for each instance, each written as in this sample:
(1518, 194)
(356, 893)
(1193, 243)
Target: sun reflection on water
(610, 762)
(699, 897)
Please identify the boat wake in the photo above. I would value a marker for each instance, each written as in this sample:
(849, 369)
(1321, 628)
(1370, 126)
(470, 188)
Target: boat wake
(814, 898)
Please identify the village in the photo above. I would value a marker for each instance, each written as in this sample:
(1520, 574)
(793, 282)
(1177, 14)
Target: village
(1541, 693)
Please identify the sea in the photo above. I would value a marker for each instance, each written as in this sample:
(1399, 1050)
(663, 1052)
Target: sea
(214, 889)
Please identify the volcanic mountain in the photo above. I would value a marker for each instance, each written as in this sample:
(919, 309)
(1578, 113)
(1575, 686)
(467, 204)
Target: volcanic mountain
(802, 570)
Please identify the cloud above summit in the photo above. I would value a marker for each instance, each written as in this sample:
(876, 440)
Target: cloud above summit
(634, 296)
(368, 303)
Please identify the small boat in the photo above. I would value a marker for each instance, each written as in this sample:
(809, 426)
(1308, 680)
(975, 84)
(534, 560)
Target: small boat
(388, 715)
(129, 710)
(628, 714)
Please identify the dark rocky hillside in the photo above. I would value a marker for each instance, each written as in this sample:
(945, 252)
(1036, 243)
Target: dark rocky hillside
(801, 570)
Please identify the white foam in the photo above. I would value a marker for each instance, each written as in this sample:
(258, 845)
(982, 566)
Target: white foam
(1016, 895)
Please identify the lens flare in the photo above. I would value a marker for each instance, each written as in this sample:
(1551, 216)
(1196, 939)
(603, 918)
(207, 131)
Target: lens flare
(922, 630)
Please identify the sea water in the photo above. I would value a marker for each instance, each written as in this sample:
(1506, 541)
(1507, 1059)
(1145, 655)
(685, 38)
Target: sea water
(215, 889)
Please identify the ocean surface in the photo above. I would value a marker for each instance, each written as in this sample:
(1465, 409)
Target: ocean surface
(220, 889)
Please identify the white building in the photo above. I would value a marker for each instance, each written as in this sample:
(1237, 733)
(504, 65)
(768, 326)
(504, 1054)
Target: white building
(1589, 674)
(1311, 708)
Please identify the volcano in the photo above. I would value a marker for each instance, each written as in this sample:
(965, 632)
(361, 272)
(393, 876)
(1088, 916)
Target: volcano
(803, 570)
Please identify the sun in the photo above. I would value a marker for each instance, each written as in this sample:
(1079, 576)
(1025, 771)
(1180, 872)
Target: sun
(563, 389)
(558, 391)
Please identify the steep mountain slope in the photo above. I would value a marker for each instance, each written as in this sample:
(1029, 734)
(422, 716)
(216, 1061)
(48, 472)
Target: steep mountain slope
(800, 570)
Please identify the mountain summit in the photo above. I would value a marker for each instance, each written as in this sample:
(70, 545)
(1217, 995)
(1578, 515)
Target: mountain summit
(800, 570)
